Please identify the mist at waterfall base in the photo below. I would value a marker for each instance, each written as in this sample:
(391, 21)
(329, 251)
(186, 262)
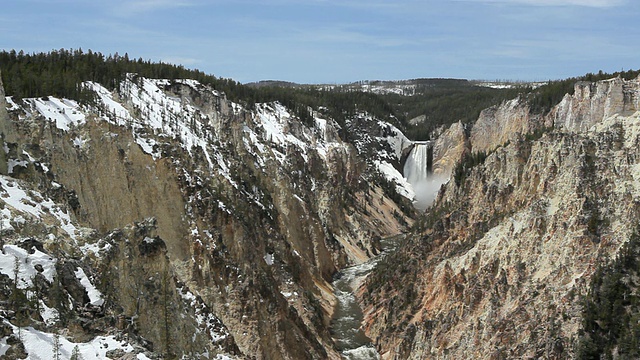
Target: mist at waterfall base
(425, 184)
(427, 190)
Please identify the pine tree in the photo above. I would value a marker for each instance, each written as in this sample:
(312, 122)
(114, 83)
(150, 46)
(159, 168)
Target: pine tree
(166, 313)
(75, 355)
(56, 347)
(2, 235)
(36, 294)
(16, 272)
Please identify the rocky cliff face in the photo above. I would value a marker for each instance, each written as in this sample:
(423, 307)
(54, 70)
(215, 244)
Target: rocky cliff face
(205, 227)
(499, 124)
(498, 266)
(595, 102)
(449, 148)
(590, 104)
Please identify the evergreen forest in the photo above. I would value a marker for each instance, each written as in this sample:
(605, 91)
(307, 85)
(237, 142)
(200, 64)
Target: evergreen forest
(441, 101)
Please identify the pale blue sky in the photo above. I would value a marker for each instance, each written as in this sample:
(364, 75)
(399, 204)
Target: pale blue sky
(339, 41)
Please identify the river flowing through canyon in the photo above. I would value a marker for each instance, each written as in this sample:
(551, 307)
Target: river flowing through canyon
(346, 325)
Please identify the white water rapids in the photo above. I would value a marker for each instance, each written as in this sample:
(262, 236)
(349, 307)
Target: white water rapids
(347, 316)
(346, 325)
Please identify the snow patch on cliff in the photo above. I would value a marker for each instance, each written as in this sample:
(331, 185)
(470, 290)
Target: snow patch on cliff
(31, 204)
(390, 173)
(40, 345)
(26, 263)
(63, 112)
(95, 296)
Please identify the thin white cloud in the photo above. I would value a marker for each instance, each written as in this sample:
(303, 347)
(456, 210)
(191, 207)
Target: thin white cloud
(179, 60)
(347, 35)
(129, 8)
(292, 31)
(584, 3)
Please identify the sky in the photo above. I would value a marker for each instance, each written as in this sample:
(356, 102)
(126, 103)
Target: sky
(341, 41)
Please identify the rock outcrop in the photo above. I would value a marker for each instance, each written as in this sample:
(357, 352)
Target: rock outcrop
(595, 102)
(449, 148)
(501, 123)
(591, 103)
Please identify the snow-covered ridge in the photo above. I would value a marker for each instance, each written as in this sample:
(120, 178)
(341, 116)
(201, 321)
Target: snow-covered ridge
(400, 89)
(281, 130)
(155, 111)
(152, 111)
(497, 84)
(161, 112)
(22, 266)
(64, 113)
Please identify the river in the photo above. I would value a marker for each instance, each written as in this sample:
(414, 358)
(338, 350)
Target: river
(346, 324)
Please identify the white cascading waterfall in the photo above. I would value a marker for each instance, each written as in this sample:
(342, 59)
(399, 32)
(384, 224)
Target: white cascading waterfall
(416, 167)
(416, 171)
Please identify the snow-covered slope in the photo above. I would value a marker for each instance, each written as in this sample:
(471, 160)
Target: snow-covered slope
(383, 145)
(33, 272)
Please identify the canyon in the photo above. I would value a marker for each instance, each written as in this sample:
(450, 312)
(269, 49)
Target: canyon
(163, 220)
(502, 260)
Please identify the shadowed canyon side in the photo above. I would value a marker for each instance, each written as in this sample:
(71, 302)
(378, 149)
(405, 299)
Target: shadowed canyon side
(174, 200)
(501, 264)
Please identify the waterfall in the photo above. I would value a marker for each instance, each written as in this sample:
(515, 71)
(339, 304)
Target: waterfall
(417, 171)
(416, 168)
